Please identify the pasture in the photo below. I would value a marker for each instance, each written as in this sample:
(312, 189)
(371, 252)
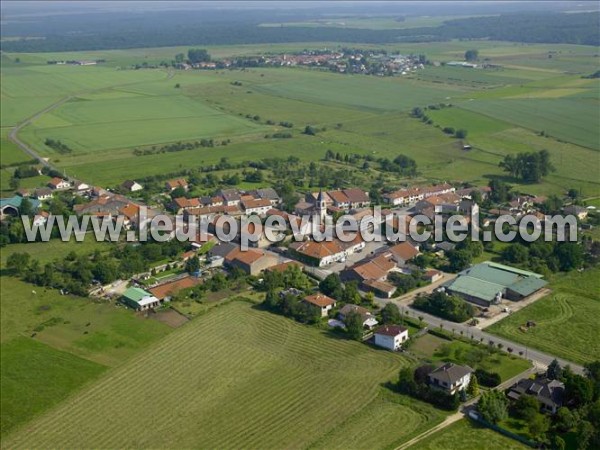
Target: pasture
(236, 377)
(53, 344)
(465, 434)
(566, 321)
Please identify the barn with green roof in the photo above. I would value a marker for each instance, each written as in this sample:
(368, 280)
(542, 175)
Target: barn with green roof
(487, 283)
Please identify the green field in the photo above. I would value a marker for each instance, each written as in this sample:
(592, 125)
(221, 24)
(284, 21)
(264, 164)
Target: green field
(113, 109)
(52, 344)
(35, 377)
(566, 320)
(437, 350)
(249, 379)
(467, 435)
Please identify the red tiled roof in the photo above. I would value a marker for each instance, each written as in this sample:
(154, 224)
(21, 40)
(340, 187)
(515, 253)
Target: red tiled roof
(172, 287)
(404, 250)
(390, 330)
(320, 300)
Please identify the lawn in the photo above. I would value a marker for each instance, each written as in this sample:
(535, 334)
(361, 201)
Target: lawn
(438, 350)
(465, 434)
(566, 320)
(236, 377)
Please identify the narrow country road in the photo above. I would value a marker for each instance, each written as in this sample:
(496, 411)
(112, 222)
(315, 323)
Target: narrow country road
(462, 412)
(14, 133)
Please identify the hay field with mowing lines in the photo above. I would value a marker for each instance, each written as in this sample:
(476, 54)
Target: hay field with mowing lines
(467, 435)
(566, 320)
(236, 377)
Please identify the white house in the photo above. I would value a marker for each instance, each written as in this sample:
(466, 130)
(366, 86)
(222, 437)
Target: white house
(450, 377)
(257, 206)
(132, 186)
(58, 183)
(390, 336)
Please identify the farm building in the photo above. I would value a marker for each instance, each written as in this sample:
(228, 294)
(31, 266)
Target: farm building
(11, 206)
(487, 283)
(165, 291)
(139, 299)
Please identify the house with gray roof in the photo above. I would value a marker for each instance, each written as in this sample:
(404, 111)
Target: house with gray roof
(450, 377)
(549, 393)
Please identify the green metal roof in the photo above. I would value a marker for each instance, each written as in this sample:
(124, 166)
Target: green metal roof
(475, 287)
(527, 286)
(525, 273)
(487, 279)
(16, 200)
(492, 274)
(136, 294)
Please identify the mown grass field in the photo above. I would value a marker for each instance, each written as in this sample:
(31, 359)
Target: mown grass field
(467, 435)
(566, 320)
(236, 377)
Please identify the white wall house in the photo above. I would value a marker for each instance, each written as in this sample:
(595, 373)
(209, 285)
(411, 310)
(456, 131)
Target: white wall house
(391, 336)
(450, 377)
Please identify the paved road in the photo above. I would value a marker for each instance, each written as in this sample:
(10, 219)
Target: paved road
(537, 357)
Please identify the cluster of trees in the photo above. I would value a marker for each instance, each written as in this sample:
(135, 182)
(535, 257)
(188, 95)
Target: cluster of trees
(488, 379)
(414, 383)
(289, 305)
(460, 258)
(179, 28)
(57, 145)
(346, 293)
(405, 283)
(178, 147)
(77, 272)
(472, 55)
(529, 167)
(449, 307)
(545, 256)
(493, 406)
(194, 56)
(25, 172)
(401, 164)
(580, 413)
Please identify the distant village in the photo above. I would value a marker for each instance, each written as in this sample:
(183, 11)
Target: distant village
(354, 61)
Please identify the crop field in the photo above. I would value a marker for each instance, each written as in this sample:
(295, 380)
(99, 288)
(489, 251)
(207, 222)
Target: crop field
(114, 110)
(569, 119)
(249, 378)
(465, 434)
(566, 320)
